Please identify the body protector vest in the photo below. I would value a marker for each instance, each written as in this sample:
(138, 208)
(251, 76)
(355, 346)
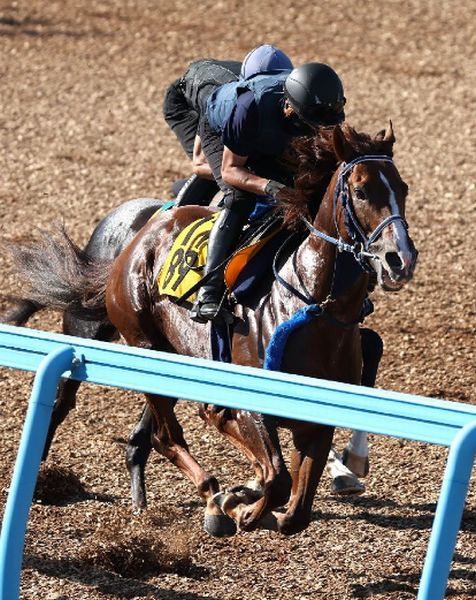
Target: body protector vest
(202, 76)
(272, 137)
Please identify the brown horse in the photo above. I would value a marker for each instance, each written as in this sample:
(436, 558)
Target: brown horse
(109, 238)
(360, 221)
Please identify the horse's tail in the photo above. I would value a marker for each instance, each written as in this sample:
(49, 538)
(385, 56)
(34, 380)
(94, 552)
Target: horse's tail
(60, 275)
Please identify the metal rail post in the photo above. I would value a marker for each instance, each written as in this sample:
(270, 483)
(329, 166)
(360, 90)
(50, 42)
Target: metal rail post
(449, 512)
(26, 469)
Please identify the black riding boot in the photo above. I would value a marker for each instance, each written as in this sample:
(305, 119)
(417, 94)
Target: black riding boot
(195, 190)
(223, 239)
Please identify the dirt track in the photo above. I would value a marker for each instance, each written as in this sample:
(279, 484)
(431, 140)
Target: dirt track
(81, 86)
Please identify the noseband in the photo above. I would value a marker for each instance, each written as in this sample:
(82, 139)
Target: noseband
(360, 248)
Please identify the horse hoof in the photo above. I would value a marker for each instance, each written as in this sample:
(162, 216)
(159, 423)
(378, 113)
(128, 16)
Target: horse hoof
(139, 504)
(237, 495)
(343, 485)
(219, 525)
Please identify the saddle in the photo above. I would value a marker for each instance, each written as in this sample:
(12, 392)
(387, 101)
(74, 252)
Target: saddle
(181, 275)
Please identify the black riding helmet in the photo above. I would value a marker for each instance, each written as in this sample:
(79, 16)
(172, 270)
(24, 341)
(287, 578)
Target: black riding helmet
(316, 94)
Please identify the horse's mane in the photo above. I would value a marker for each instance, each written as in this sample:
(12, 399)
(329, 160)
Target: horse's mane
(313, 160)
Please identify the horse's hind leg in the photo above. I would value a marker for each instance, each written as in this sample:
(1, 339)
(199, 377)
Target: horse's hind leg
(64, 403)
(170, 442)
(138, 449)
(66, 397)
(356, 454)
(20, 312)
(344, 480)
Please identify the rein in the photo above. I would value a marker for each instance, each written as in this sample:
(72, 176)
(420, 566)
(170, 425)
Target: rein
(314, 309)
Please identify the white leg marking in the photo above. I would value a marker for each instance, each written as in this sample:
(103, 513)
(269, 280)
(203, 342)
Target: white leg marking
(335, 467)
(359, 444)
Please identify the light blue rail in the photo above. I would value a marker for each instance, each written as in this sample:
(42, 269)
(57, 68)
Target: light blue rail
(376, 411)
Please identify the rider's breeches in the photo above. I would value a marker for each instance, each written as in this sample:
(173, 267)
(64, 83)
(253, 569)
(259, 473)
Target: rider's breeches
(185, 100)
(180, 117)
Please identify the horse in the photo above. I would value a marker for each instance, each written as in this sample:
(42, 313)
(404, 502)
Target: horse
(108, 239)
(360, 221)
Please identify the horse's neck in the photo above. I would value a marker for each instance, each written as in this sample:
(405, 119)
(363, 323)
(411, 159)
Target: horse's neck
(311, 265)
(311, 269)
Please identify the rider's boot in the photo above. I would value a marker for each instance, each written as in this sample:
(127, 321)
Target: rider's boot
(223, 239)
(195, 190)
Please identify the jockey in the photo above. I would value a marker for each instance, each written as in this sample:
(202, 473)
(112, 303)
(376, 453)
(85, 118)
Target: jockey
(263, 59)
(244, 128)
(182, 108)
(184, 102)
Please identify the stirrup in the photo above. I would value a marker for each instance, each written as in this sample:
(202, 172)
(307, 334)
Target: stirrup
(202, 312)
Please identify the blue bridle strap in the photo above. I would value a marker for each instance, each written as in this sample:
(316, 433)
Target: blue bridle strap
(353, 226)
(381, 226)
(339, 242)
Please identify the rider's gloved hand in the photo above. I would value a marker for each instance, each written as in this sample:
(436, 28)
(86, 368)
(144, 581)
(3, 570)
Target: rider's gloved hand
(273, 188)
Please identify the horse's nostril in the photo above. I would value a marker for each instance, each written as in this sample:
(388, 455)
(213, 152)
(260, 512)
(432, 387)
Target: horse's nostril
(394, 261)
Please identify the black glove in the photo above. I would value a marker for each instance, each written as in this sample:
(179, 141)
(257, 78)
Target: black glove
(273, 188)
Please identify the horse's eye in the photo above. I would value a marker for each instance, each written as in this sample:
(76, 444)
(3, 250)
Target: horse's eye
(359, 193)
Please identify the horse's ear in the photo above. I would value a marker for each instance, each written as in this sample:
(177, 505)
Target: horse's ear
(342, 148)
(386, 135)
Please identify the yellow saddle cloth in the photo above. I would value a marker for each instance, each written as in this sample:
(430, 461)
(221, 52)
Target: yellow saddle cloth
(184, 265)
(186, 260)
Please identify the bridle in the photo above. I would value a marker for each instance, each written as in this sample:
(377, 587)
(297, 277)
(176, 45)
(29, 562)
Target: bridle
(360, 248)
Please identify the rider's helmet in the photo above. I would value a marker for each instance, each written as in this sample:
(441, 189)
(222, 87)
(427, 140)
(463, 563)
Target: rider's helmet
(316, 94)
(264, 58)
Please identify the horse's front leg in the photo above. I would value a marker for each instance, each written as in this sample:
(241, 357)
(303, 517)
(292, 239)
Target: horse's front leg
(170, 442)
(256, 436)
(312, 445)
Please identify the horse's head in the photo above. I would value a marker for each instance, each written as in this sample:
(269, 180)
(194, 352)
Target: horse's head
(369, 207)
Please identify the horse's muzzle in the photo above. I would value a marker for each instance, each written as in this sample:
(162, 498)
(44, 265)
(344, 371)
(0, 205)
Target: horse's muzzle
(394, 267)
